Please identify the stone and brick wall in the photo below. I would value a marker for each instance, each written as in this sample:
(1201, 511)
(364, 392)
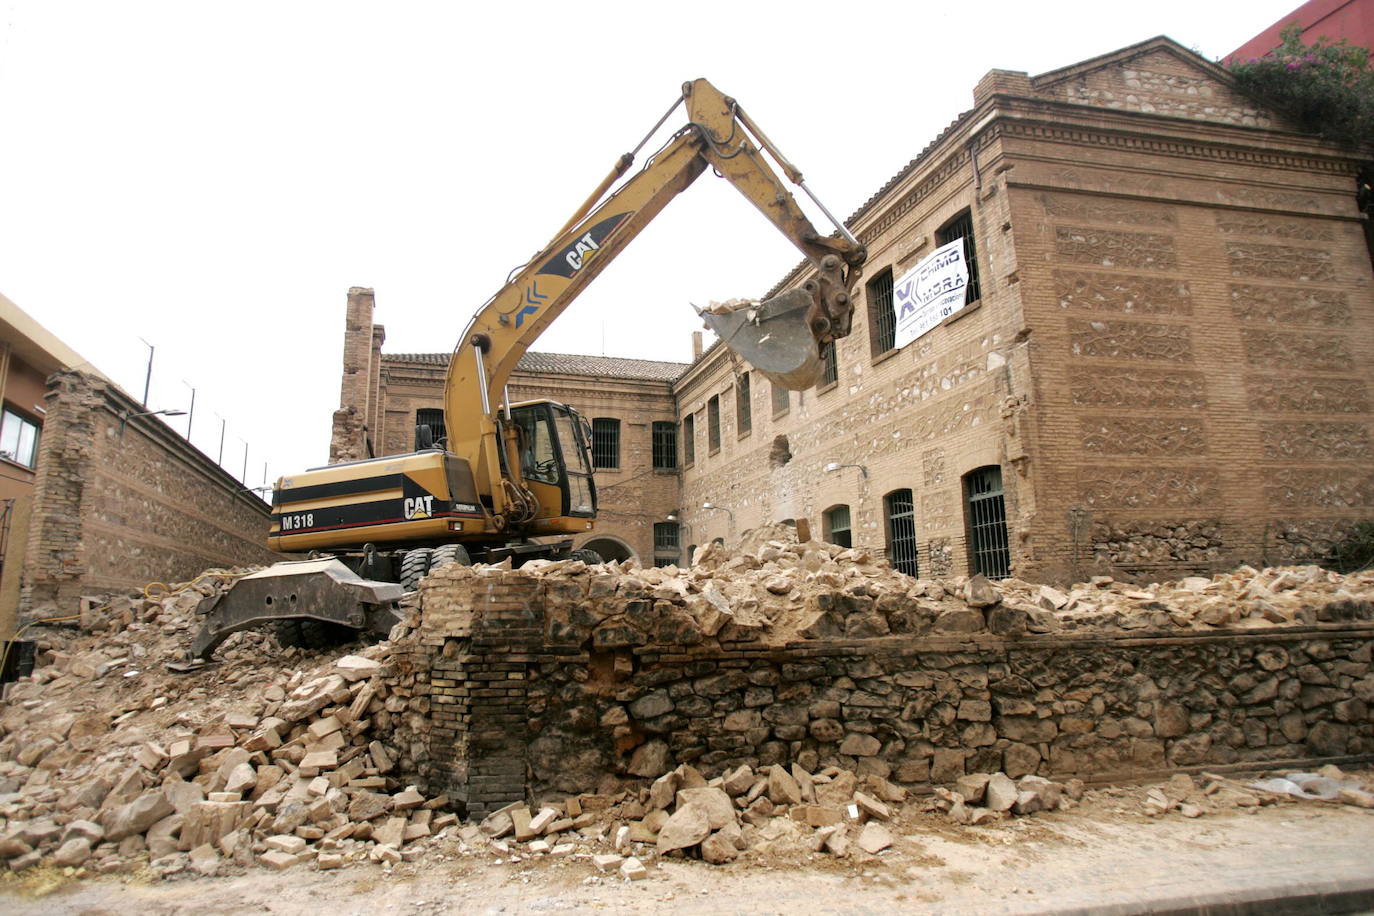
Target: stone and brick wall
(519, 686)
(115, 510)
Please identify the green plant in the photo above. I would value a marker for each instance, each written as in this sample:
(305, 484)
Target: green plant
(1326, 88)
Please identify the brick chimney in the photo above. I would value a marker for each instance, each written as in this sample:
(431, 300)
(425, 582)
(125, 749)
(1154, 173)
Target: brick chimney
(696, 346)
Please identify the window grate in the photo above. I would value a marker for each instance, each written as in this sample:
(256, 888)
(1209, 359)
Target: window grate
(901, 532)
(961, 227)
(782, 400)
(744, 414)
(987, 522)
(434, 419)
(605, 442)
(838, 524)
(882, 318)
(666, 536)
(713, 424)
(830, 369)
(664, 435)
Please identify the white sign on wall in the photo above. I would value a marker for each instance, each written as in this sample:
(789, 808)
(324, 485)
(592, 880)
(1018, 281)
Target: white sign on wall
(930, 292)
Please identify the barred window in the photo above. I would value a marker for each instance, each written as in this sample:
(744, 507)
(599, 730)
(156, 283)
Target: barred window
(882, 318)
(989, 552)
(830, 369)
(434, 419)
(713, 424)
(961, 227)
(689, 440)
(782, 400)
(666, 549)
(664, 434)
(901, 531)
(744, 416)
(605, 442)
(837, 530)
(665, 536)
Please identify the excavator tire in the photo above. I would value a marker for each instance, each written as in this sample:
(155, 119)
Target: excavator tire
(590, 557)
(449, 553)
(414, 565)
(300, 633)
(288, 633)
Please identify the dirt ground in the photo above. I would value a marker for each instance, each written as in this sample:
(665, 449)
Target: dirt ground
(1106, 852)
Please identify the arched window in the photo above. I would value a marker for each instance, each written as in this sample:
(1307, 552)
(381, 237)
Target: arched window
(986, 518)
(836, 526)
(901, 532)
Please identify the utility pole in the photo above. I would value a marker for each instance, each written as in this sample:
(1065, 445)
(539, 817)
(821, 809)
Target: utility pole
(148, 376)
(222, 424)
(191, 414)
(244, 476)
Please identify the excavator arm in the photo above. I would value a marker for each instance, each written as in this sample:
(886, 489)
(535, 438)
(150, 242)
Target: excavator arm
(720, 135)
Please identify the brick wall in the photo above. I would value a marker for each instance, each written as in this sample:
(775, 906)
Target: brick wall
(114, 511)
(521, 687)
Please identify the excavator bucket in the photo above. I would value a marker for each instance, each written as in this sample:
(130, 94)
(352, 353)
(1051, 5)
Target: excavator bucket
(325, 590)
(773, 335)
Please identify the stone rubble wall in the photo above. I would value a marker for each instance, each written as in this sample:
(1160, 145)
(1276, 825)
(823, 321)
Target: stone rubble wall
(520, 685)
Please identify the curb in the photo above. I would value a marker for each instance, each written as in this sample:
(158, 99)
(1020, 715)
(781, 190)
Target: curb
(1317, 898)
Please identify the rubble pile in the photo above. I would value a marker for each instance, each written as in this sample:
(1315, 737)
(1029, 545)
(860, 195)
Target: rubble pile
(753, 815)
(270, 756)
(776, 590)
(277, 756)
(759, 811)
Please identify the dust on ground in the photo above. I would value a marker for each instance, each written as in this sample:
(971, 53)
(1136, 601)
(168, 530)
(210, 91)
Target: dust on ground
(1105, 851)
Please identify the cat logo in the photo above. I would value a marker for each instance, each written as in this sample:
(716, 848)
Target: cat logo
(575, 255)
(581, 251)
(419, 507)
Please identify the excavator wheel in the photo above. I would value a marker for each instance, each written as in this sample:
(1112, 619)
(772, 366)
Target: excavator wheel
(590, 557)
(414, 565)
(449, 553)
(302, 633)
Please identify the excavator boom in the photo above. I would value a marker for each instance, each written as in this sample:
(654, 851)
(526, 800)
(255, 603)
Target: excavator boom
(781, 339)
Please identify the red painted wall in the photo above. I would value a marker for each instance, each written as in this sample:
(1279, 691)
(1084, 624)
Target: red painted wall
(1352, 20)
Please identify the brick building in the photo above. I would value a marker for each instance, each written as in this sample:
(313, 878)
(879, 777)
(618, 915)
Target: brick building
(1160, 365)
(97, 494)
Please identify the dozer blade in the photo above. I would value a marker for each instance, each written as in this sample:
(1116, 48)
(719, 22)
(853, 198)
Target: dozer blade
(774, 336)
(325, 590)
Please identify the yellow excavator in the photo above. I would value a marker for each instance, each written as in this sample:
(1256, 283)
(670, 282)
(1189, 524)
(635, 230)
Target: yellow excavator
(513, 473)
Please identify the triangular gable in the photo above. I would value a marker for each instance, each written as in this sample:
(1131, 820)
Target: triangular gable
(1159, 77)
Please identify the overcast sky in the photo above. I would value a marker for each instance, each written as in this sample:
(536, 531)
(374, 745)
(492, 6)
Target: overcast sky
(211, 178)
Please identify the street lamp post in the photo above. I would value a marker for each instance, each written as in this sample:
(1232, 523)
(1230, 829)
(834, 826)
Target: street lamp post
(126, 416)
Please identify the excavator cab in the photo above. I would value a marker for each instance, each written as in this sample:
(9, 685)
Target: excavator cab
(555, 460)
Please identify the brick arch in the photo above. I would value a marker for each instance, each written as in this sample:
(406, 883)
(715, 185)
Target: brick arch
(610, 548)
